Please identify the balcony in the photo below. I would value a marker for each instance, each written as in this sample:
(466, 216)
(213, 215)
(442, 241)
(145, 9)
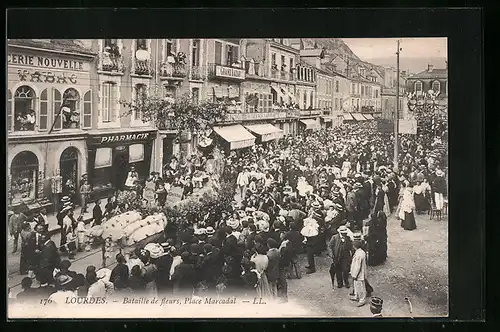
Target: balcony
(240, 117)
(197, 73)
(110, 63)
(226, 72)
(173, 71)
(143, 68)
(313, 112)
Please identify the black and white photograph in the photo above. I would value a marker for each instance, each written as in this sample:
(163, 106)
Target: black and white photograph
(228, 178)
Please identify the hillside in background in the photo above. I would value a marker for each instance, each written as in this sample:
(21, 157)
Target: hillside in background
(336, 47)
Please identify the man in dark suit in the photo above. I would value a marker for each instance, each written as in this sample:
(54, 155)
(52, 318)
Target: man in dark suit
(49, 258)
(211, 266)
(367, 195)
(97, 213)
(341, 251)
(184, 276)
(378, 204)
(272, 270)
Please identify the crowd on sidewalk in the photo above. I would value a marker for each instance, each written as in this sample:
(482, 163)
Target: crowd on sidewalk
(329, 191)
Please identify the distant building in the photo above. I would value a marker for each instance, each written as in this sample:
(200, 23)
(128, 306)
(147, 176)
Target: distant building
(430, 79)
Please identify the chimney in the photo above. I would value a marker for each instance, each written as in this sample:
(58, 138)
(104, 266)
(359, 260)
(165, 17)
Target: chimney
(430, 68)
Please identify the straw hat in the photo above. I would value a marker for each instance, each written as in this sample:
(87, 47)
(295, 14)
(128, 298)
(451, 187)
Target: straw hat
(342, 229)
(155, 250)
(210, 230)
(200, 231)
(63, 279)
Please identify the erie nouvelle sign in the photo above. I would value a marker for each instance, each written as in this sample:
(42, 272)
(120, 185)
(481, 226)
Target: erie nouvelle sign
(43, 62)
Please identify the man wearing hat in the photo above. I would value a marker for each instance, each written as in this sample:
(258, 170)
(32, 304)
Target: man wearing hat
(376, 306)
(361, 205)
(439, 189)
(340, 250)
(358, 271)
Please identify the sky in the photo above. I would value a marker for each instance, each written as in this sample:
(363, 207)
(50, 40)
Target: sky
(374, 48)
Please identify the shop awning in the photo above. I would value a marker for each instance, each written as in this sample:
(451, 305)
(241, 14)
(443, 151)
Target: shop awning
(236, 135)
(358, 116)
(347, 116)
(267, 131)
(311, 123)
(369, 117)
(279, 92)
(289, 94)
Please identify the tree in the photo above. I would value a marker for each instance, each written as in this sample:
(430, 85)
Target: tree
(181, 114)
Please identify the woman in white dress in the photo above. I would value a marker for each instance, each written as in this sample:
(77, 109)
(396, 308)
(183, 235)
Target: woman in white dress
(346, 167)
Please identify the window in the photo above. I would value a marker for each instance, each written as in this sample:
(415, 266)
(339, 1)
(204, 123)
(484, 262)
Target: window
(108, 102)
(218, 53)
(24, 109)
(283, 61)
(24, 177)
(87, 110)
(9, 110)
(362, 90)
(336, 86)
(418, 87)
(273, 58)
(70, 112)
(261, 103)
(57, 109)
(195, 95)
(170, 91)
(305, 100)
(136, 153)
(291, 65)
(141, 44)
(352, 88)
(229, 55)
(195, 53)
(436, 86)
(110, 43)
(312, 100)
(140, 93)
(169, 47)
(44, 111)
(336, 103)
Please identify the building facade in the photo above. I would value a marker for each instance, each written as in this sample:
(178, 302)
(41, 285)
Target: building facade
(389, 104)
(50, 111)
(430, 79)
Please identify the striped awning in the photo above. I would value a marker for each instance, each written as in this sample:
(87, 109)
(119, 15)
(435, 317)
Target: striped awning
(236, 135)
(347, 116)
(358, 116)
(310, 123)
(369, 117)
(266, 131)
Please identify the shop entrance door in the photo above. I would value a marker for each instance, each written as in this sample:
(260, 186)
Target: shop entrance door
(120, 166)
(68, 165)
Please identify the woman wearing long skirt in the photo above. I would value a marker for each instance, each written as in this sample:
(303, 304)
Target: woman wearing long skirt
(377, 239)
(419, 197)
(261, 262)
(400, 200)
(406, 214)
(26, 263)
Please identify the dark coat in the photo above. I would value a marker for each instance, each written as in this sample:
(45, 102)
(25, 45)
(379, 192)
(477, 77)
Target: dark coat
(379, 201)
(163, 264)
(272, 270)
(351, 202)
(184, 277)
(49, 257)
(211, 267)
(97, 214)
(341, 251)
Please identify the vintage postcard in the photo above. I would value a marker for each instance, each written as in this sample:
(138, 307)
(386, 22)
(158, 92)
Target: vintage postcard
(227, 178)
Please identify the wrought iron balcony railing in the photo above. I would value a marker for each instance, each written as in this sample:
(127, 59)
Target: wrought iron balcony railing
(111, 63)
(173, 70)
(143, 68)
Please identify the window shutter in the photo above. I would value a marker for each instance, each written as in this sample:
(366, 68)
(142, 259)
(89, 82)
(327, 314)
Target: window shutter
(9, 110)
(87, 110)
(56, 110)
(235, 54)
(113, 104)
(218, 53)
(43, 119)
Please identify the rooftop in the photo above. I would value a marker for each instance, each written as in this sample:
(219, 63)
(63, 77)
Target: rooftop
(318, 52)
(434, 73)
(63, 45)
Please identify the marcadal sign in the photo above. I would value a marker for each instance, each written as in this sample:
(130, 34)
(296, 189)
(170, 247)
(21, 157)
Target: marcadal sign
(229, 72)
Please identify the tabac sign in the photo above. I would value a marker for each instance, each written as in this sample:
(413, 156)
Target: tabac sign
(120, 139)
(229, 72)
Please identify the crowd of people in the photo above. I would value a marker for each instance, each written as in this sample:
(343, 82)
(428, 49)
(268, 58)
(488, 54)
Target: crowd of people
(325, 192)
